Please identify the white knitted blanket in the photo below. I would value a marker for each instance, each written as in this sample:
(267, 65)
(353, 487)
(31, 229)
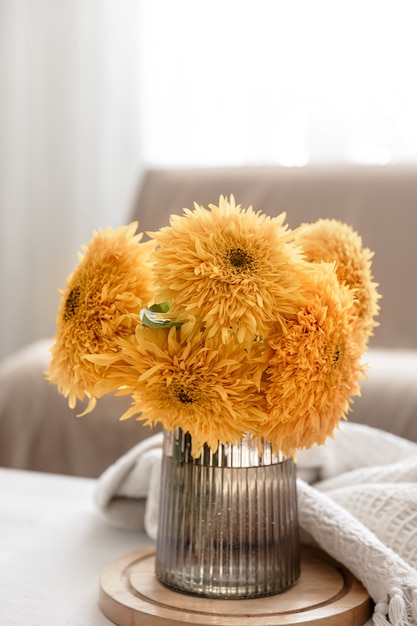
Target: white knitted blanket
(362, 511)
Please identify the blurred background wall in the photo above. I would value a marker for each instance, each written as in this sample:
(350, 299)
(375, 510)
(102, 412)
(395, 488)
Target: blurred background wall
(94, 91)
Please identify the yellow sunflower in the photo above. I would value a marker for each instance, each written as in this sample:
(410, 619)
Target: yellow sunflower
(101, 303)
(184, 379)
(314, 368)
(233, 269)
(330, 240)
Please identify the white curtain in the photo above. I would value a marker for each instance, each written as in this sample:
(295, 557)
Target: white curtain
(70, 148)
(93, 91)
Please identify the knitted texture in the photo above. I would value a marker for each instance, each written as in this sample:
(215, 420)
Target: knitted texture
(388, 578)
(366, 518)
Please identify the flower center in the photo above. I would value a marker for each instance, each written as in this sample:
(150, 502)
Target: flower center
(184, 395)
(72, 303)
(239, 259)
(336, 354)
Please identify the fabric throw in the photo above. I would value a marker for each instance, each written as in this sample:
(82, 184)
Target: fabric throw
(360, 508)
(127, 493)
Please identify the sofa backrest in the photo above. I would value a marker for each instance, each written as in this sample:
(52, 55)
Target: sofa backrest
(379, 202)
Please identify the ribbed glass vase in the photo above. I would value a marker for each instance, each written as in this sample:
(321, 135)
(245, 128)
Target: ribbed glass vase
(228, 525)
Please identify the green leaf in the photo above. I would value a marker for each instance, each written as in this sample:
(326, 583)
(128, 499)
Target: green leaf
(163, 307)
(152, 317)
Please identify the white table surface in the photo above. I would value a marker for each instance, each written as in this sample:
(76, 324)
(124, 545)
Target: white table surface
(53, 547)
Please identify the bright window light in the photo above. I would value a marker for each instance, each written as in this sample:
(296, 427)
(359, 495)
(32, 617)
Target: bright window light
(231, 82)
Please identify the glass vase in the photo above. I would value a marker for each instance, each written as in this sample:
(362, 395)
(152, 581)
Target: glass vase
(228, 525)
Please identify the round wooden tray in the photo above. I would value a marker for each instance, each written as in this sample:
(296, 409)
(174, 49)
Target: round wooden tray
(326, 593)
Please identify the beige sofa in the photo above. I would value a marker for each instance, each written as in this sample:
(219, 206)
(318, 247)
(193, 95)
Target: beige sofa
(38, 430)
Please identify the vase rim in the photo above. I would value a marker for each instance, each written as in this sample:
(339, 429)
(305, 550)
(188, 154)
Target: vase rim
(247, 452)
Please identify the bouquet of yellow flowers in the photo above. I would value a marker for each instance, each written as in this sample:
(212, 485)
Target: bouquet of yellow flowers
(224, 323)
